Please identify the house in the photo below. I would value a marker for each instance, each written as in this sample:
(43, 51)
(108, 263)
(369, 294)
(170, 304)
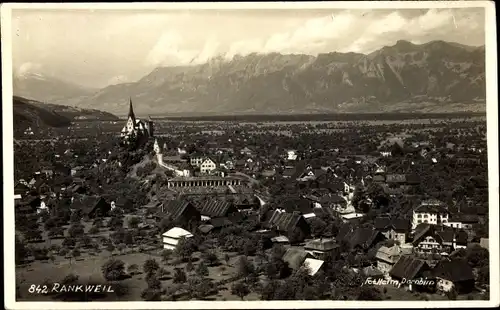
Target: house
(387, 257)
(21, 188)
(430, 212)
(291, 155)
(313, 265)
(438, 239)
(28, 205)
(91, 206)
(208, 166)
(280, 239)
(464, 221)
(196, 160)
(292, 225)
(362, 238)
(409, 268)
(215, 208)
(319, 248)
(172, 237)
(393, 228)
(181, 211)
(295, 257)
(454, 274)
(301, 205)
(123, 203)
(246, 151)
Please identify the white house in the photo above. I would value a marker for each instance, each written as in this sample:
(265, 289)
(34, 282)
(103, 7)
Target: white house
(208, 166)
(172, 237)
(291, 155)
(430, 212)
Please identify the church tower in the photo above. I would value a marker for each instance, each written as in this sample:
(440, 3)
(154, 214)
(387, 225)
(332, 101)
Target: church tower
(131, 121)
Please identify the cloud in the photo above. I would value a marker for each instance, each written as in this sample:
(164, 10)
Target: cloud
(361, 31)
(27, 68)
(119, 79)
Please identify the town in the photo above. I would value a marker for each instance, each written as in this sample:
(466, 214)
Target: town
(234, 210)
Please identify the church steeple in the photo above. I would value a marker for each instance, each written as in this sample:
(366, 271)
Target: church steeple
(131, 111)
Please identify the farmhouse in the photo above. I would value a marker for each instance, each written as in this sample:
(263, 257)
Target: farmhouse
(172, 237)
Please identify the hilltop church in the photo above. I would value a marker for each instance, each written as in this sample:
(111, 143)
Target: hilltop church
(135, 128)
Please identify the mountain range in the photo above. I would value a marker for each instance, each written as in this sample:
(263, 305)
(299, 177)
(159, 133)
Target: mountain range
(433, 77)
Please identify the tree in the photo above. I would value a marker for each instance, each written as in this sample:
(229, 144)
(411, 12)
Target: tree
(369, 293)
(477, 256)
(115, 223)
(244, 267)
(75, 253)
(76, 230)
(240, 289)
(110, 247)
(113, 269)
(153, 281)
(165, 255)
(150, 267)
(133, 269)
(179, 276)
(210, 258)
(202, 270)
(133, 222)
(94, 230)
(69, 242)
(185, 248)
(150, 294)
(70, 279)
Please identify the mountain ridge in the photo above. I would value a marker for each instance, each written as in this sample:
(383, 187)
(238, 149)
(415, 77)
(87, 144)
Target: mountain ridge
(436, 76)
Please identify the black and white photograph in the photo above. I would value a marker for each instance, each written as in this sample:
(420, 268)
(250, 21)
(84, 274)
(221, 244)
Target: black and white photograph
(250, 155)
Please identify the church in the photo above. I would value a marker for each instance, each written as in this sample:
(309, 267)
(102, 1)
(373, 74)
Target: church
(136, 128)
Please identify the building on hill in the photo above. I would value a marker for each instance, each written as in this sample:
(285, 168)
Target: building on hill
(430, 212)
(137, 128)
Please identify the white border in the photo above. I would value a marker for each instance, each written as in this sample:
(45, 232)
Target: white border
(492, 135)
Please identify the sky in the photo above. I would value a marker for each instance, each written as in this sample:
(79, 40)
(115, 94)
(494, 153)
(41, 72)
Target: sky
(96, 48)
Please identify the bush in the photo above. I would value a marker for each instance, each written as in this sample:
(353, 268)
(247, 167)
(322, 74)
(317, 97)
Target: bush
(150, 267)
(113, 269)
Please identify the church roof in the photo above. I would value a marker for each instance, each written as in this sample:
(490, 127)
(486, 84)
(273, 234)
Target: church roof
(131, 111)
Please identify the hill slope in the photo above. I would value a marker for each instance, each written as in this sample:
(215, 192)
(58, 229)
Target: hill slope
(37, 115)
(432, 77)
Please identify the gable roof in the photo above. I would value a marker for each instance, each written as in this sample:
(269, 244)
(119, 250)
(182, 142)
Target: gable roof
(295, 257)
(283, 221)
(431, 206)
(387, 254)
(360, 236)
(386, 222)
(175, 208)
(456, 270)
(321, 245)
(407, 267)
(177, 232)
(215, 208)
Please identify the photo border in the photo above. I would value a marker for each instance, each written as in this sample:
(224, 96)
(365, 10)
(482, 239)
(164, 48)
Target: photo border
(492, 144)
